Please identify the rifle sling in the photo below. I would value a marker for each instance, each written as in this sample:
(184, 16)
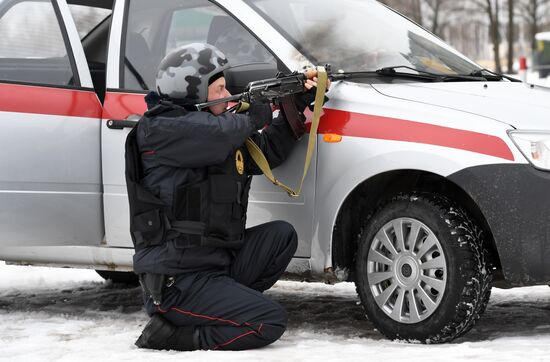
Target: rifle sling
(258, 156)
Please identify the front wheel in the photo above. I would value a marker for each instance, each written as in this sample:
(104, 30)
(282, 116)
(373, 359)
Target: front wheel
(422, 272)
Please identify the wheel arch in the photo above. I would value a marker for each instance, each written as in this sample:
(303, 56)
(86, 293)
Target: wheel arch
(372, 193)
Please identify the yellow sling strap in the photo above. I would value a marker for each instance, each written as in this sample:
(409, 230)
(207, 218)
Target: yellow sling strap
(258, 156)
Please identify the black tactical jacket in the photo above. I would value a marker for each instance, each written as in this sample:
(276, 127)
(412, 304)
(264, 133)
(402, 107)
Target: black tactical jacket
(180, 148)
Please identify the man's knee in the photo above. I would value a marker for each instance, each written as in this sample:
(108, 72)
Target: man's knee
(266, 326)
(277, 315)
(285, 231)
(274, 325)
(269, 334)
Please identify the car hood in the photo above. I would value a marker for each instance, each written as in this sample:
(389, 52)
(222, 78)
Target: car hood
(518, 104)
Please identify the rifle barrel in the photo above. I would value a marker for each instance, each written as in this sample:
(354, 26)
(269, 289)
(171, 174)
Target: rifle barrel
(234, 97)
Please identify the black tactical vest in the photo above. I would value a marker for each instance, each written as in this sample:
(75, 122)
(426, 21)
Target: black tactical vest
(207, 213)
(214, 211)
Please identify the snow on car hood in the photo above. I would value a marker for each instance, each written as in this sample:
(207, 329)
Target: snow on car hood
(516, 104)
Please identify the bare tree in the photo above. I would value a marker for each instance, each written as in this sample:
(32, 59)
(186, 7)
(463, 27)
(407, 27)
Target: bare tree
(440, 14)
(417, 11)
(409, 8)
(511, 35)
(533, 13)
(492, 9)
(463, 23)
(435, 7)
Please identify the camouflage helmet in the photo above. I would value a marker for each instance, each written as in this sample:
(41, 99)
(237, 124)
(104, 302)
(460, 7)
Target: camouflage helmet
(184, 73)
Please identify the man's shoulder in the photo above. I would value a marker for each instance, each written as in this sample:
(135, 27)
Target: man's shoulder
(165, 110)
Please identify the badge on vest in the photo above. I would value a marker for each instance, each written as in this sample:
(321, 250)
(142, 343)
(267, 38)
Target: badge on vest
(239, 162)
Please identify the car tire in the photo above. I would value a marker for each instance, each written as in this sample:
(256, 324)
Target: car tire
(422, 272)
(128, 278)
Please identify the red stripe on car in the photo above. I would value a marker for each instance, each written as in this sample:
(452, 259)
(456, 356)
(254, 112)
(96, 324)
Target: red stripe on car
(119, 106)
(49, 100)
(385, 128)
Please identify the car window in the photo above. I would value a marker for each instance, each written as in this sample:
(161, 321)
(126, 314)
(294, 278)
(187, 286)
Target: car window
(86, 18)
(32, 49)
(359, 35)
(156, 28)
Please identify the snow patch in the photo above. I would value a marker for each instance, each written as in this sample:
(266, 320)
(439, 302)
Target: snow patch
(49, 314)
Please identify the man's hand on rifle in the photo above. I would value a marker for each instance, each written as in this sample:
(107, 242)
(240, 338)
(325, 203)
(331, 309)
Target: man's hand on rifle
(312, 83)
(310, 88)
(261, 114)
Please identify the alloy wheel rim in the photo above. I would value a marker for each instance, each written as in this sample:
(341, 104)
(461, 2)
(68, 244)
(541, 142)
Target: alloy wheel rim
(406, 270)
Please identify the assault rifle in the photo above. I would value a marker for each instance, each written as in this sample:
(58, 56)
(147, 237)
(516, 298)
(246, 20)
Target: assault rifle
(281, 88)
(267, 89)
(276, 90)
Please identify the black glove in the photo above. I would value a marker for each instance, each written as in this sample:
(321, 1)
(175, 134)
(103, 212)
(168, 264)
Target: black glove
(306, 99)
(260, 114)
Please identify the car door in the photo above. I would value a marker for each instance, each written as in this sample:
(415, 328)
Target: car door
(50, 186)
(142, 33)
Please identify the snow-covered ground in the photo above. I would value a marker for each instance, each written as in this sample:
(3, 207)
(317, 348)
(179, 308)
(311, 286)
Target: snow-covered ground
(49, 314)
(533, 78)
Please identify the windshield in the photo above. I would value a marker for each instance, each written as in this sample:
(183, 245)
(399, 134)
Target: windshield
(360, 35)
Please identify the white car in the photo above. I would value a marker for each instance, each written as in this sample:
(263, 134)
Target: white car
(430, 177)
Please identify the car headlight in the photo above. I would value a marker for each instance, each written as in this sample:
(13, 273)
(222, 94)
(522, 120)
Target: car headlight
(535, 146)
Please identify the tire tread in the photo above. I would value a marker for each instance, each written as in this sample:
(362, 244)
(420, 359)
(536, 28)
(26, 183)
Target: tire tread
(470, 238)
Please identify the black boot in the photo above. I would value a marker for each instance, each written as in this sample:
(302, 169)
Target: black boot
(161, 334)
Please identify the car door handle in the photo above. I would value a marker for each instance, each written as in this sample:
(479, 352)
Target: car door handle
(129, 122)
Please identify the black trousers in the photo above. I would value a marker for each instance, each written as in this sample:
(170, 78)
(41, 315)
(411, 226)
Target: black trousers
(228, 307)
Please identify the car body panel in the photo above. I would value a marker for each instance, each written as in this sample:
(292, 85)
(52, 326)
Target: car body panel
(437, 128)
(511, 197)
(518, 104)
(381, 134)
(50, 186)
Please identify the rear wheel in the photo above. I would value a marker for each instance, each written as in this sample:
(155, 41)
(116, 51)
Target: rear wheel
(421, 269)
(119, 277)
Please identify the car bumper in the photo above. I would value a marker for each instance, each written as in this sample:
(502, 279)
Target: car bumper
(515, 201)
